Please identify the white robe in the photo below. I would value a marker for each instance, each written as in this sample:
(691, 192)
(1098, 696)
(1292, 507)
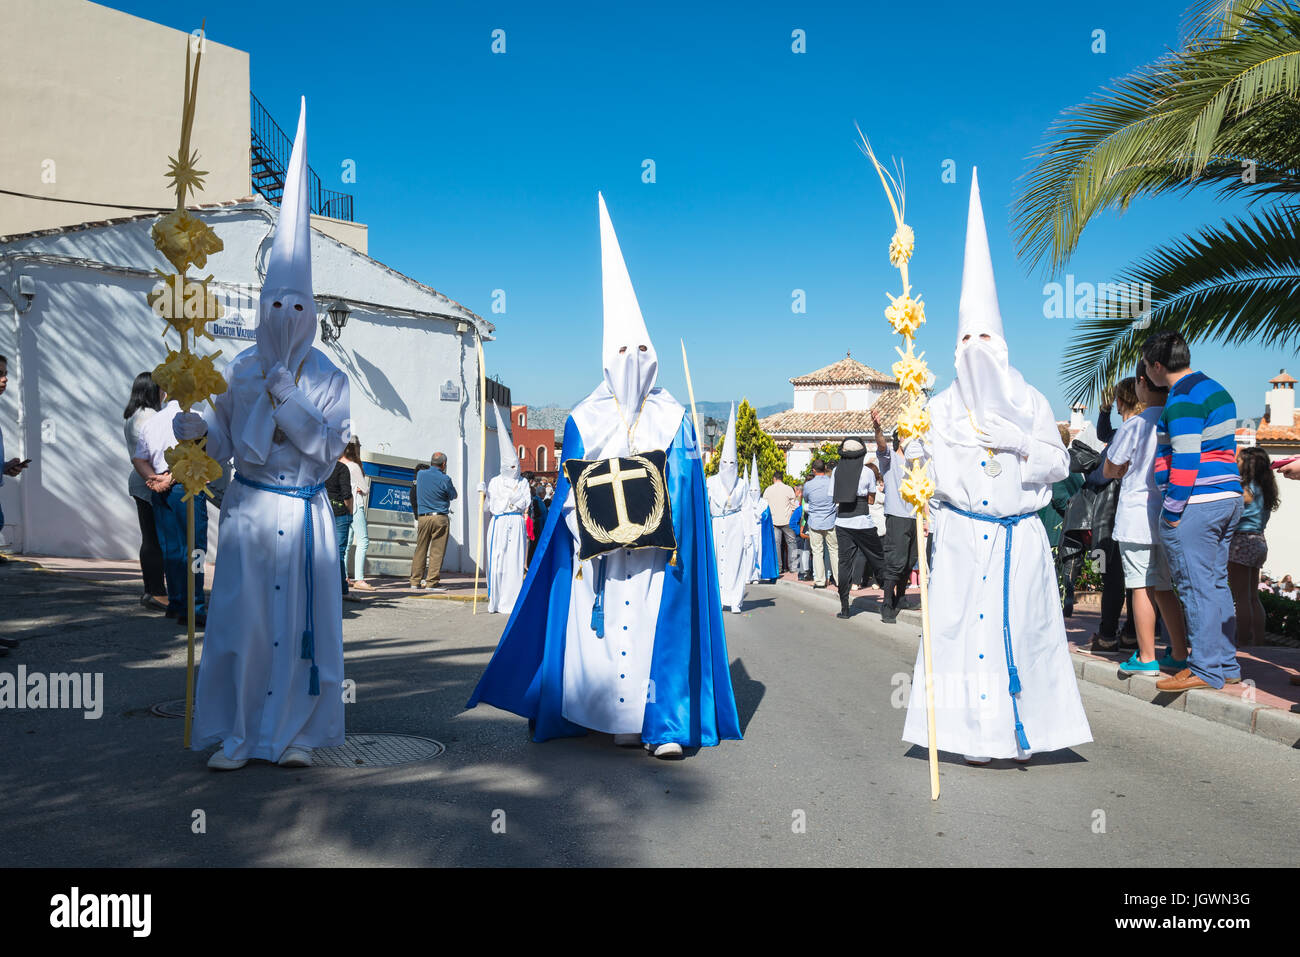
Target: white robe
(733, 538)
(507, 538)
(607, 680)
(973, 709)
(253, 683)
(756, 507)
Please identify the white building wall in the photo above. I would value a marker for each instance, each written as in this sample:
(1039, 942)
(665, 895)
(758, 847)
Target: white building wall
(1283, 530)
(89, 331)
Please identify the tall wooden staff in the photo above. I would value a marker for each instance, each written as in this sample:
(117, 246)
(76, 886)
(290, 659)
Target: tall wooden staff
(482, 463)
(695, 418)
(187, 307)
(905, 315)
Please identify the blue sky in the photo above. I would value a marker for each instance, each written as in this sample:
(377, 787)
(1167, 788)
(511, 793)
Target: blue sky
(478, 171)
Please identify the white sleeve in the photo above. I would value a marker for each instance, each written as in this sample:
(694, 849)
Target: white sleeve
(1048, 461)
(1124, 444)
(319, 434)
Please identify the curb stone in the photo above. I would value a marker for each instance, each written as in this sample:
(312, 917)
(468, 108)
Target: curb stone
(1275, 724)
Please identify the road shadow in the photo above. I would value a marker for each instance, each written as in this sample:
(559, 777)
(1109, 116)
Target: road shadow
(1064, 756)
(122, 791)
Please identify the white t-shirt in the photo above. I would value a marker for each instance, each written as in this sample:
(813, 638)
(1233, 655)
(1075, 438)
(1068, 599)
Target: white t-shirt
(1135, 443)
(360, 484)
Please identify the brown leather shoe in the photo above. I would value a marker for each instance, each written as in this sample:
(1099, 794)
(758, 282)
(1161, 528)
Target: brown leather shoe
(1183, 681)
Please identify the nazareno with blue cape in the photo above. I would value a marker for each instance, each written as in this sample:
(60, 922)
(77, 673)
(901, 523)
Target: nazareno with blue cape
(693, 702)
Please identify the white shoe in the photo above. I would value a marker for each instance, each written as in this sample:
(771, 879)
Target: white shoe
(977, 761)
(219, 762)
(669, 750)
(735, 609)
(627, 740)
(1022, 757)
(295, 758)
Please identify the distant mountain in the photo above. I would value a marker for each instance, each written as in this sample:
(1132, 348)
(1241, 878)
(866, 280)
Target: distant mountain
(542, 417)
(720, 410)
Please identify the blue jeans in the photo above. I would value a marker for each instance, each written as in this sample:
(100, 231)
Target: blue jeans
(342, 525)
(1197, 548)
(169, 519)
(358, 535)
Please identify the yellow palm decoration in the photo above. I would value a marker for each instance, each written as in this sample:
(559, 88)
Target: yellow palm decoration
(186, 307)
(906, 315)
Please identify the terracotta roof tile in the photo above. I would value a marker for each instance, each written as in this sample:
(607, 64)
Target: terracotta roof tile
(1268, 432)
(851, 422)
(845, 372)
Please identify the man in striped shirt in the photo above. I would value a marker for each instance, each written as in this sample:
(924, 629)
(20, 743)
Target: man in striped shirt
(1196, 471)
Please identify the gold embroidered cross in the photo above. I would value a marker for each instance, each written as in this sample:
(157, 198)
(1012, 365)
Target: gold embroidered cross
(615, 479)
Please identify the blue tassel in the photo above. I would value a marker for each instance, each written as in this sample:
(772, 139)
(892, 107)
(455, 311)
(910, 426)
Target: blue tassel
(314, 687)
(308, 644)
(1020, 737)
(598, 620)
(1015, 680)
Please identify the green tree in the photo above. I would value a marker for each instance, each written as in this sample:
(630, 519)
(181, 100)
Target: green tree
(751, 439)
(1222, 112)
(828, 452)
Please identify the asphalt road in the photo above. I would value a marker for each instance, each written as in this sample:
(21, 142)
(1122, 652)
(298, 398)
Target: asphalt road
(822, 749)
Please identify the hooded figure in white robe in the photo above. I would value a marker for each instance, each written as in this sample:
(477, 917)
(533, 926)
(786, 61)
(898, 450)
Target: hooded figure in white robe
(628, 642)
(1004, 682)
(269, 683)
(729, 504)
(508, 499)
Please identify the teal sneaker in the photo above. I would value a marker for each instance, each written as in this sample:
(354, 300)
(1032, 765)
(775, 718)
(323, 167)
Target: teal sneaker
(1167, 660)
(1135, 667)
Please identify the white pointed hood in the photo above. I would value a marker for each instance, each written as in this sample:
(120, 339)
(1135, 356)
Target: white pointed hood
(755, 483)
(287, 312)
(286, 323)
(728, 466)
(509, 457)
(627, 354)
(986, 382)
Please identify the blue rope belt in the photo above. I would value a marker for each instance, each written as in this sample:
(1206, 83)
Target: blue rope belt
(1009, 523)
(598, 606)
(306, 493)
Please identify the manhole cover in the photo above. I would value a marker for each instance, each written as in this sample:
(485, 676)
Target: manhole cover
(169, 709)
(377, 750)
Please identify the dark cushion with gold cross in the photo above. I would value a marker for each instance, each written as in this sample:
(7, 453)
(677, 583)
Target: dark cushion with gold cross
(621, 503)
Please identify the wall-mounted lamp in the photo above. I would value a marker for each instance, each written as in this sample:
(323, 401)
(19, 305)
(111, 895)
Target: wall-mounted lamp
(27, 289)
(336, 317)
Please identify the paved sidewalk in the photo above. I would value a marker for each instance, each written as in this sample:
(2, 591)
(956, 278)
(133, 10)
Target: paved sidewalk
(1265, 703)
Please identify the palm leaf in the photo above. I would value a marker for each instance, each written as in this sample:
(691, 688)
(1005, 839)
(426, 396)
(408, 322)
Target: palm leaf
(1189, 120)
(1235, 283)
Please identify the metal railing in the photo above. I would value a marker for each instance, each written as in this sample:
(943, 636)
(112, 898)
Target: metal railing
(269, 150)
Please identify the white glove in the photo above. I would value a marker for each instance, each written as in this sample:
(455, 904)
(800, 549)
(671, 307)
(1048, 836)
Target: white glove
(914, 450)
(481, 487)
(279, 382)
(189, 425)
(998, 433)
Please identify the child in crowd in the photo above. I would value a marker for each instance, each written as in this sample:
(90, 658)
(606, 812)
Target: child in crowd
(1130, 457)
(1249, 550)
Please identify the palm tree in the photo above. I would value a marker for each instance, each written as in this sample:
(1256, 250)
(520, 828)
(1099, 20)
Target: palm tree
(1220, 113)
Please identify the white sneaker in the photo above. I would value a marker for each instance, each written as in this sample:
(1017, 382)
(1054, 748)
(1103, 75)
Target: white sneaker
(627, 740)
(295, 758)
(219, 762)
(669, 750)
